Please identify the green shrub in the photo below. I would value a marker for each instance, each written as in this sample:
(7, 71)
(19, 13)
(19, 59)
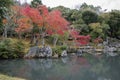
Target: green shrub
(63, 47)
(58, 49)
(11, 48)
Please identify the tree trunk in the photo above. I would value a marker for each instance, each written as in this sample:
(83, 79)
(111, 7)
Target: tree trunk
(43, 40)
(34, 39)
(19, 35)
(5, 32)
(55, 41)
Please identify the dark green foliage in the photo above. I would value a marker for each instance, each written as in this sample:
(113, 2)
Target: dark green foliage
(80, 19)
(49, 39)
(4, 5)
(114, 23)
(85, 6)
(63, 47)
(89, 17)
(10, 48)
(58, 49)
(35, 3)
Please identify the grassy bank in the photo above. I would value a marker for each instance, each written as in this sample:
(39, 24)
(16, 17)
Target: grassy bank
(5, 77)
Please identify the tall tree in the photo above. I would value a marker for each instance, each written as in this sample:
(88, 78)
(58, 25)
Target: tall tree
(114, 23)
(98, 30)
(89, 17)
(4, 6)
(35, 3)
(57, 24)
(85, 6)
(43, 21)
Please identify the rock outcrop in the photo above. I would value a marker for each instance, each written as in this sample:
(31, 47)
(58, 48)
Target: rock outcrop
(39, 52)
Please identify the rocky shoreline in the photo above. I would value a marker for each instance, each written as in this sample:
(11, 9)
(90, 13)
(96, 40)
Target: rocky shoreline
(111, 48)
(46, 52)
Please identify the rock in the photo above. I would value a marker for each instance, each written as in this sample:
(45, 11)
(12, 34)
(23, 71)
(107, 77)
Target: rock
(48, 51)
(110, 49)
(73, 54)
(79, 52)
(55, 56)
(39, 52)
(112, 54)
(118, 50)
(98, 50)
(45, 52)
(64, 53)
(32, 52)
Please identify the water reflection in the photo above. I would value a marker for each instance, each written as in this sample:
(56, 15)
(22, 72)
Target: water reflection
(69, 68)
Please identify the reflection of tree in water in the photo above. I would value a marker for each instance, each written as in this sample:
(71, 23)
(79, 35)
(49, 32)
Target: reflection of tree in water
(70, 68)
(114, 64)
(39, 68)
(106, 68)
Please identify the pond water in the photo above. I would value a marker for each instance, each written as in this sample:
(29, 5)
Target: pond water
(69, 68)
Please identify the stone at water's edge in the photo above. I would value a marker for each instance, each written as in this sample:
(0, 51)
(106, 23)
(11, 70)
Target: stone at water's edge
(32, 52)
(39, 52)
(79, 52)
(64, 53)
(48, 51)
(55, 56)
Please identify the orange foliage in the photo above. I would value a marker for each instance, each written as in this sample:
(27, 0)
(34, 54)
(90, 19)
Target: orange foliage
(56, 22)
(34, 15)
(4, 21)
(23, 25)
(42, 18)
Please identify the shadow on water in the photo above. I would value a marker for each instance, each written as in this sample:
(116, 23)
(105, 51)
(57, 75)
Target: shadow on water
(69, 68)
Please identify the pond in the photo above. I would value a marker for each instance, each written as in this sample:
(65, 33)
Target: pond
(70, 68)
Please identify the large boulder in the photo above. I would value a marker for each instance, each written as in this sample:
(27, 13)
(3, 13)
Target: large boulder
(32, 52)
(48, 51)
(39, 52)
(79, 52)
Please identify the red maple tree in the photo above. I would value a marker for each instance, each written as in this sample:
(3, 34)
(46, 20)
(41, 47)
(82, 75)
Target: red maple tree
(47, 22)
(79, 39)
(56, 23)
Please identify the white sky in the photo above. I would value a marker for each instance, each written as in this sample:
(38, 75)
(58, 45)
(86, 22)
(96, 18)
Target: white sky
(105, 4)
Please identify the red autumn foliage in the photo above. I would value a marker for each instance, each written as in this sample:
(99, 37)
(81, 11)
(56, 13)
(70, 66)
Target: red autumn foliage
(43, 10)
(74, 33)
(98, 40)
(83, 40)
(79, 39)
(33, 14)
(52, 22)
(27, 17)
(23, 25)
(56, 22)
(50, 32)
